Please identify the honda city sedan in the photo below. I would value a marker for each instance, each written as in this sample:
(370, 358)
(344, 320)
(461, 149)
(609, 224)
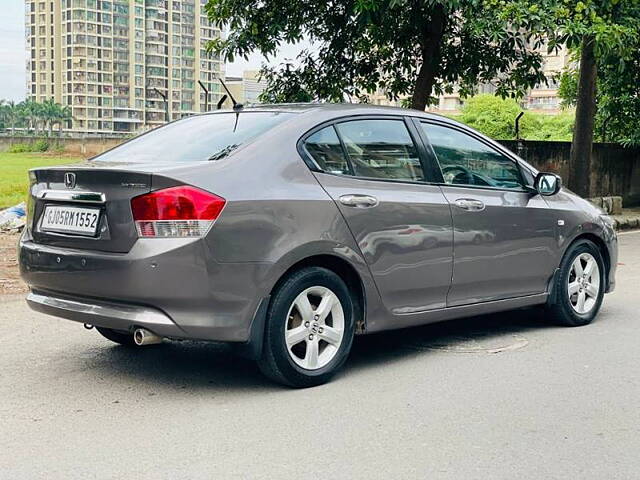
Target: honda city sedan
(288, 229)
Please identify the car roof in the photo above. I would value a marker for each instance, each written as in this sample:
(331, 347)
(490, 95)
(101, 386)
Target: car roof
(335, 109)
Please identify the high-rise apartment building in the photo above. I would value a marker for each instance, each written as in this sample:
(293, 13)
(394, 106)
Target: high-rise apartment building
(245, 89)
(114, 62)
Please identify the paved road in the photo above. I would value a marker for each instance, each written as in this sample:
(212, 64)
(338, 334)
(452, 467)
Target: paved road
(501, 397)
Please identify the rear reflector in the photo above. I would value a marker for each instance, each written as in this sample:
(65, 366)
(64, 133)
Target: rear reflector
(176, 212)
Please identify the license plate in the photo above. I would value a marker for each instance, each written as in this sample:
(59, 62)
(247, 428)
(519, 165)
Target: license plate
(75, 220)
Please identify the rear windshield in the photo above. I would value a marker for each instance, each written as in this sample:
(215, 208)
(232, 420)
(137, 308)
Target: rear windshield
(194, 139)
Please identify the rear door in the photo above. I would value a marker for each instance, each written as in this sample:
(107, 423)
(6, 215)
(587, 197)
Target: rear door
(504, 236)
(372, 167)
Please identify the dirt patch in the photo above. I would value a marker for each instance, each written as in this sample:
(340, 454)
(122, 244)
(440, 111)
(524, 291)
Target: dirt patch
(10, 281)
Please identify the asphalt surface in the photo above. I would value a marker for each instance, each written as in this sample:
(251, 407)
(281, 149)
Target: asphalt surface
(502, 397)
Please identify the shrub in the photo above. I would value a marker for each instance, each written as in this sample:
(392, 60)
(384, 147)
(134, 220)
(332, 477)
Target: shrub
(19, 148)
(495, 117)
(37, 146)
(491, 115)
(40, 146)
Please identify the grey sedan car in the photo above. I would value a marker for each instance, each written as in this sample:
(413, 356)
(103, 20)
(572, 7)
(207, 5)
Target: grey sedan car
(288, 229)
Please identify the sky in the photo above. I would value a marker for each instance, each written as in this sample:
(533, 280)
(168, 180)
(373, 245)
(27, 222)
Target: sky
(13, 53)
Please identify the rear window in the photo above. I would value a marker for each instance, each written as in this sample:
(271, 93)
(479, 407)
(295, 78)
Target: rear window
(195, 139)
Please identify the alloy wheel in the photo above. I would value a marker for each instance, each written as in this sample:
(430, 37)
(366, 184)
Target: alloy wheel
(315, 327)
(584, 283)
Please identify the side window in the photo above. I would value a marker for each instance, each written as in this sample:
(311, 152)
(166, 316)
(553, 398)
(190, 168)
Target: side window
(381, 149)
(324, 146)
(467, 161)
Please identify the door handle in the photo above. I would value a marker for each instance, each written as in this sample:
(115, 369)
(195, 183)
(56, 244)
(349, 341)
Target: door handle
(358, 201)
(469, 204)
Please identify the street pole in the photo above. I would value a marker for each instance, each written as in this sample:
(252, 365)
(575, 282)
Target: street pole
(166, 104)
(206, 96)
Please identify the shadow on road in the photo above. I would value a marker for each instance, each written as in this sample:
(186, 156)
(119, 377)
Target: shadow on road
(483, 334)
(200, 365)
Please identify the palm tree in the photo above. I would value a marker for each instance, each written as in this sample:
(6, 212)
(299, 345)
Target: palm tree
(32, 111)
(32, 115)
(49, 112)
(12, 114)
(63, 115)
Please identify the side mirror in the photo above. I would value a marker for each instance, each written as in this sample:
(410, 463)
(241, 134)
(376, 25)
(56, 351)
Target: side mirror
(547, 184)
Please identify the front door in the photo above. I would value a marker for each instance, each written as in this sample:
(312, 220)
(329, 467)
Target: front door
(372, 169)
(504, 237)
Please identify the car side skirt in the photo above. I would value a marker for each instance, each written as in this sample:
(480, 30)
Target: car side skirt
(450, 313)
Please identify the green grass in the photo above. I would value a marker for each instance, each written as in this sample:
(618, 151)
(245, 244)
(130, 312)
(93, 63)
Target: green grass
(14, 180)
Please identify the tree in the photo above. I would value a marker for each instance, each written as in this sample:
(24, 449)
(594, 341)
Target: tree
(10, 114)
(31, 114)
(419, 48)
(617, 98)
(49, 113)
(63, 115)
(602, 31)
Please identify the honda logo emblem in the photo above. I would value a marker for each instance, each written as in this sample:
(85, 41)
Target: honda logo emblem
(70, 180)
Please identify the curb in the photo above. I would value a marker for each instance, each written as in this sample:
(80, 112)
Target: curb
(626, 223)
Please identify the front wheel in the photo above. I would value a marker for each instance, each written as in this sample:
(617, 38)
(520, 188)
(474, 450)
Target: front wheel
(309, 329)
(579, 286)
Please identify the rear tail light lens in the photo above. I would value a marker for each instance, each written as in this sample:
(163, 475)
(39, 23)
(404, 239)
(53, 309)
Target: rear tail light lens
(176, 212)
(30, 200)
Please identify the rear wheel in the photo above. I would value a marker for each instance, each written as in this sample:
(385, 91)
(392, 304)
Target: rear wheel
(123, 338)
(579, 285)
(309, 330)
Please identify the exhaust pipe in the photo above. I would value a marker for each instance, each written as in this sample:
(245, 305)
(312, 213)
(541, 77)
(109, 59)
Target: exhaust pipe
(145, 337)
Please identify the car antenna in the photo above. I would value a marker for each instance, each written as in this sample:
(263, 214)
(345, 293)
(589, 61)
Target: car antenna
(236, 105)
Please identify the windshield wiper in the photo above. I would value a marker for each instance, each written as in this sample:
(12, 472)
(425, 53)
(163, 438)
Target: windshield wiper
(223, 152)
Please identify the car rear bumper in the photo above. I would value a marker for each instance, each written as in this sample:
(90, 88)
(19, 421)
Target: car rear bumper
(104, 314)
(171, 287)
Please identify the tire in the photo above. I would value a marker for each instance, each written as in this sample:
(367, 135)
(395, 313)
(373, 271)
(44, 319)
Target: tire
(296, 362)
(566, 310)
(116, 336)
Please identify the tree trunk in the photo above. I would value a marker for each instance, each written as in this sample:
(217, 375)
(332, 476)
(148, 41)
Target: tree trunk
(430, 45)
(582, 144)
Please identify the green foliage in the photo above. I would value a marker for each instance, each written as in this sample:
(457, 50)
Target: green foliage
(401, 47)
(612, 23)
(617, 97)
(283, 89)
(618, 100)
(37, 146)
(491, 115)
(568, 87)
(33, 116)
(614, 28)
(495, 117)
(557, 127)
(19, 148)
(40, 146)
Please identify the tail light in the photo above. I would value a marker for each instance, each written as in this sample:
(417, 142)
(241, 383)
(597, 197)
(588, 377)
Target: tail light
(176, 212)
(30, 202)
